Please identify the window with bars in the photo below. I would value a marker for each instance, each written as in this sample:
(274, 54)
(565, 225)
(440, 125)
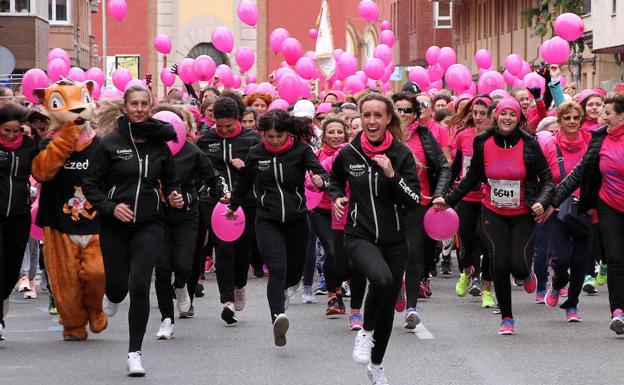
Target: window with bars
(443, 14)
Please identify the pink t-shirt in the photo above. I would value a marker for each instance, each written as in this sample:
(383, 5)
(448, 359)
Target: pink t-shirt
(463, 143)
(440, 133)
(612, 170)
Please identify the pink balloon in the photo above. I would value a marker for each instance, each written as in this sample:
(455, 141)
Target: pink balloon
(313, 33)
(569, 26)
(250, 79)
(281, 72)
(526, 69)
(225, 229)
(385, 25)
(204, 68)
(337, 53)
(534, 80)
(167, 77)
(236, 81)
(304, 89)
(226, 76)
(95, 74)
(306, 68)
(118, 9)
(513, 64)
(163, 44)
(387, 87)
(347, 64)
(222, 39)
(369, 10)
(288, 88)
(387, 37)
(121, 77)
(135, 83)
(96, 91)
(555, 50)
(111, 94)
(250, 88)
(339, 85)
(509, 78)
(362, 75)
(472, 90)
(34, 78)
(436, 85)
(374, 68)
(313, 198)
(483, 57)
(35, 231)
(292, 50)
(490, 81)
(441, 225)
(435, 72)
(277, 38)
(518, 83)
(387, 73)
(353, 84)
(447, 57)
(248, 12)
(186, 72)
(384, 53)
(60, 54)
(371, 84)
(57, 68)
(245, 58)
(267, 88)
(420, 76)
(432, 55)
(178, 125)
(76, 74)
(458, 78)
(278, 104)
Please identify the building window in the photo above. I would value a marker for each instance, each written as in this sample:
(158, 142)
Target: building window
(18, 7)
(586, 7)
(443, 14)
(58, 10)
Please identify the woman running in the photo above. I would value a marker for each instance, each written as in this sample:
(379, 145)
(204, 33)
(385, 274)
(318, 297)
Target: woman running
(382, 177)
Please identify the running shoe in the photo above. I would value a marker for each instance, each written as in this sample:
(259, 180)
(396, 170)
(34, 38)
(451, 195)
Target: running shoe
(23, 284)
(507, 327)
(183, 299)
(412, 319)
(188, 314)
(135, 366)
(376, 374)
(476, 288)
(199, 289)
(617, 322)
(240, 299)
(517, 282)
(308, 295)
(425, 288)
(355, 320)
(31, 291)
(363, 346)
(332, 307)
(341, 305)
(564, 292)
(321, 288)
(496, 310)
(445, 265)
(289, 294)
(462, 285)
(540, 296)
(589, 286)
(52, 310)
(280, 327)
(530, 284)
(552, 297)
(166, 330)
(572, 315)
(401, 301)
(109, 308)
(601, 277)
(346, 289)
(487, 300)
(228, 315)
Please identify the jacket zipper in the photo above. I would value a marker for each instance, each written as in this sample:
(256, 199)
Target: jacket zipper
(281, 173)
(370, 188)
(189, 198)
(111, 192)
(227, 165)
(279, 189)
(354, 215)
(157, 199)
(299, 196)
(11, 183)
(396, 215)
(138, 189)
(376, 184)
(146, 165)
(262, 199)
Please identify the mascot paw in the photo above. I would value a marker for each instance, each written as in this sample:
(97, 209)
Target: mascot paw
(75, 334)
(98, 322)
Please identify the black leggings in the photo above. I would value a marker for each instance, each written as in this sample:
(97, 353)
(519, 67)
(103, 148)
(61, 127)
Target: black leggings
(383, 265)
(421, 248)
(14, 232)
(471, 243)
(283, 247)
(510, 241)
(598, 251)
(176, 256)
(200, 252)
(129, 259)
(346, 272)
(232, 258)
(309, 263)
(321, 223)
(612, 227)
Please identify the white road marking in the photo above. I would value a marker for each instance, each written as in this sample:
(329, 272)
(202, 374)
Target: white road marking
(422, 332)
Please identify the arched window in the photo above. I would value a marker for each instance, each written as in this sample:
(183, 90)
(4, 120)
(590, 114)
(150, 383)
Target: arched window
(352, 41)
(370, 42)
(209, 50)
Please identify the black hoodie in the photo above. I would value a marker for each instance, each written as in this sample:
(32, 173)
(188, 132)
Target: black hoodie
(124, 171)
(14, 183)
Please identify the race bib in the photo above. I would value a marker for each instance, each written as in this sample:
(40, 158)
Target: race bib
(466, 165)
(505, 193)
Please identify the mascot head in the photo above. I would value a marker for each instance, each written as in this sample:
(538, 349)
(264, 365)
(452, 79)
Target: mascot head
(67, 101)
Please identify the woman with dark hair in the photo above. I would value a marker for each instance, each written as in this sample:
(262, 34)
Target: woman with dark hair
(434, 178)
(131, 166)
(16, 154)
(250, 119)
(517, 185)
(600, 178)
(382, 177)
(275, 170)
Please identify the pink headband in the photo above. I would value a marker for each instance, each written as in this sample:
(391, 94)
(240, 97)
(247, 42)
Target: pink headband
(507, 104)
(486, 101)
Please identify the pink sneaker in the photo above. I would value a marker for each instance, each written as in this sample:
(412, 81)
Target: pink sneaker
(355, 320)
(572, 315)
(530, 284)
(539, 297)
(617, 322)
(564, 292)
(507, 327)
(401, 301)
(552, 297)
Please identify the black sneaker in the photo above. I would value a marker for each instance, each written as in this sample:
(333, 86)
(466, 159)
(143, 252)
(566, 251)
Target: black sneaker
(476, 288)
(199, 290)
(227, 314)
(445, 266)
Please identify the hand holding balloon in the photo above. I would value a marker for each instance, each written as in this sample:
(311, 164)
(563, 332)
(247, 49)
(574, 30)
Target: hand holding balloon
(440, 204)
(230, 215)
(225, 199)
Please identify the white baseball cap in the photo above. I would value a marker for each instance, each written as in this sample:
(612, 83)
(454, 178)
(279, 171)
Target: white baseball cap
(304, 109)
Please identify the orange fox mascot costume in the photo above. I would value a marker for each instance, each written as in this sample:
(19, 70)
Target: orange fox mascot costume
(71, 242)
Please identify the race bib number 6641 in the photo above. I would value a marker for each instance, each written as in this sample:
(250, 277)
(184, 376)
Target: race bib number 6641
(505, 193)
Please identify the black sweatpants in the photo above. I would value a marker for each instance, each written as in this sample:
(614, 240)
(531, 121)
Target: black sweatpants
(421, 248)
(383, 265)
(232, 258)
(283, 247)
(199, 253)
(321, 223)
(176, 256)
(510, 242)
(612, 228)
(345, 271)
(129, 259)
(309, 264)
(598, 251)
(14, 232)
(571, 253)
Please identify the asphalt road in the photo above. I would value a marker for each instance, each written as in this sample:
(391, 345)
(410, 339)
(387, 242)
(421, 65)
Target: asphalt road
(458, 344)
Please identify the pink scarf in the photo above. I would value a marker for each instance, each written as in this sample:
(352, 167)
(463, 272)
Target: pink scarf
(328, 150)
(412, 127)
(616, 133)
(279, 150)
(371, 149)
(570, 145)
(232, 134)
(13, 144)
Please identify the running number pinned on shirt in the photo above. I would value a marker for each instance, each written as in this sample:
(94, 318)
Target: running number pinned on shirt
(505, 193)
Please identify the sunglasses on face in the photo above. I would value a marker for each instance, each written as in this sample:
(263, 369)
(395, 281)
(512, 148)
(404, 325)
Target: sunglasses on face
(405, 110)
(567, 118)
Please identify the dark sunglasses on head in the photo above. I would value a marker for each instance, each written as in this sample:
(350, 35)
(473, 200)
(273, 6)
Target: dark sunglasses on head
(405, 110)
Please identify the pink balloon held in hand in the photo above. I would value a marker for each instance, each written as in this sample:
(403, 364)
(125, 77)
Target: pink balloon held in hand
(441, 225)
(227, 230)
(167, 77)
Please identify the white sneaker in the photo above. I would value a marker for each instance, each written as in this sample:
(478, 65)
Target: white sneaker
(135, 366)
(109, 308)
(308, 295)
(166, 330)
(5, 307)
(23, 284)
(228, 315)
(280, 327)
(362, 348)
(240, 299)
(376, 374)
(31, 291)
(183, 300)
(412, 319)
(1, 330)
